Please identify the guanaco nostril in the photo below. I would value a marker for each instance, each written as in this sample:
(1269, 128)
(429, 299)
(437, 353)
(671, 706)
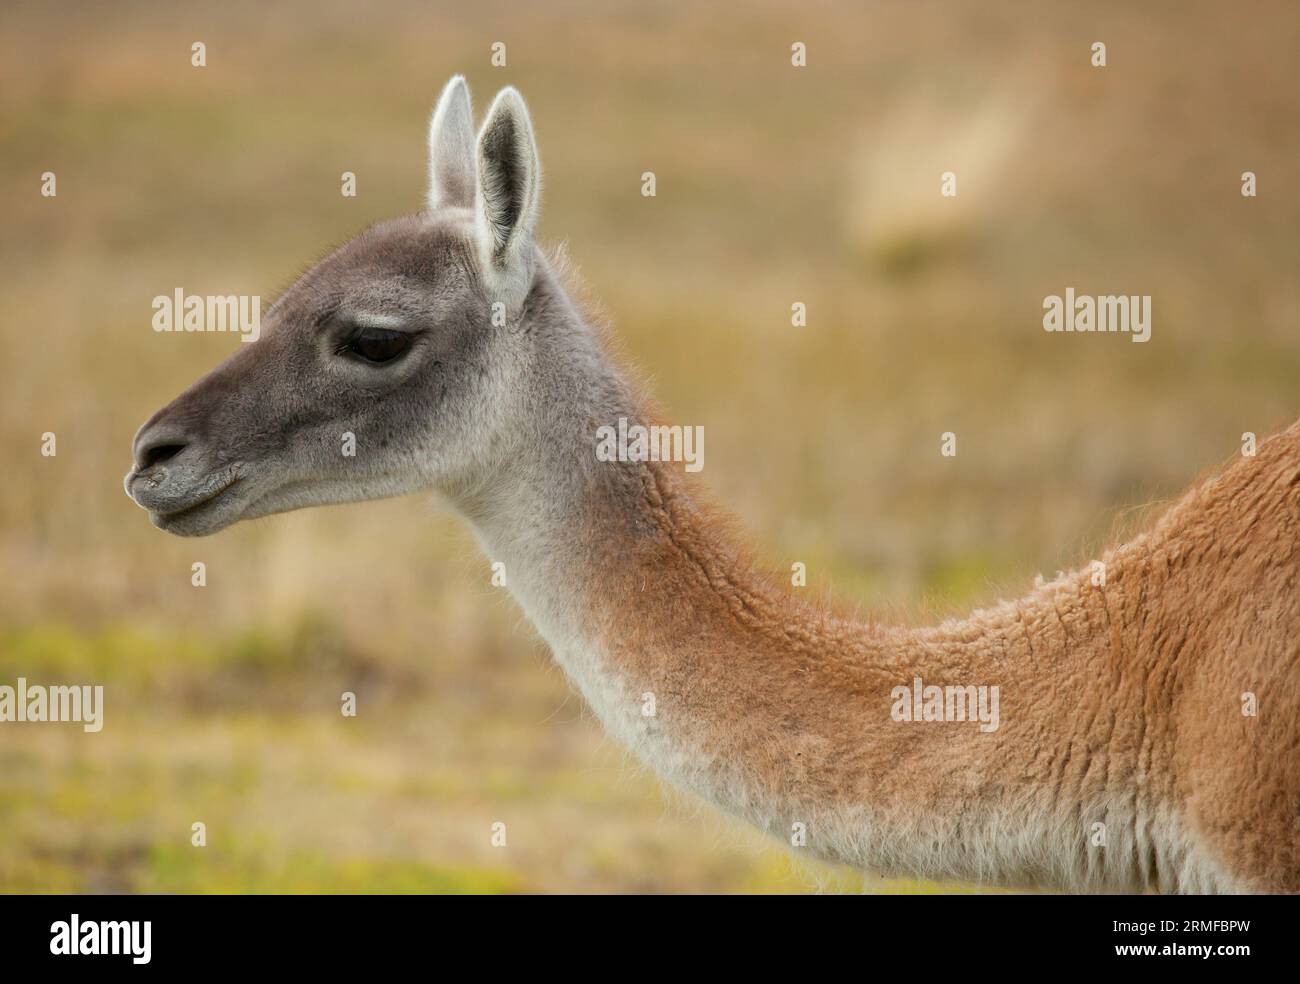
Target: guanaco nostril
(157, 443)
(159, 453)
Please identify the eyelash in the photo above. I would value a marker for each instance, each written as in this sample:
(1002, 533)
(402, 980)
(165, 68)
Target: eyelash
(398, 343)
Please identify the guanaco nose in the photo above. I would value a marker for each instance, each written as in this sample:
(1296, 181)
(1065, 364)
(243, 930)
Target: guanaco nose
(157, 444)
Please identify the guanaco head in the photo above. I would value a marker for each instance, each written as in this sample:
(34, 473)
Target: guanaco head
(391, 366)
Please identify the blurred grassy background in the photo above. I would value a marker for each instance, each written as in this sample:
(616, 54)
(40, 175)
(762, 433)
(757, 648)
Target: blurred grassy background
(775, 185)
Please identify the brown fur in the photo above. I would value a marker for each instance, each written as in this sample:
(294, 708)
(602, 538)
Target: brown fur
(1120, 704)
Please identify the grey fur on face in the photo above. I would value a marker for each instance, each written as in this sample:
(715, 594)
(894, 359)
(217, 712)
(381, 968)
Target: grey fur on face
(302, 417)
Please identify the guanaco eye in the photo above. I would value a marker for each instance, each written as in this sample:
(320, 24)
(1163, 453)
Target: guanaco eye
(378, 345)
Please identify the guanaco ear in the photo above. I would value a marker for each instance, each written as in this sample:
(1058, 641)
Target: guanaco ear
(509, 186)
(451, 148)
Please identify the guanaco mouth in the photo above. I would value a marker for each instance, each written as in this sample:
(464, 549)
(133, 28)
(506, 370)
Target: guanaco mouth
(200, 502)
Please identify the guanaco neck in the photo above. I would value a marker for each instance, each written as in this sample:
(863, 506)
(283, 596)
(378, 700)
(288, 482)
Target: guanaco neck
(731, 685)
